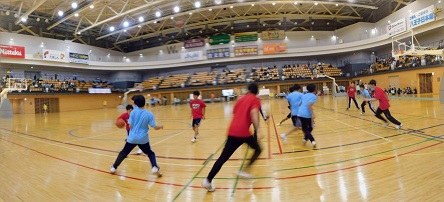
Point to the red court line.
(277, 136)
(351, 167)
(129, 177)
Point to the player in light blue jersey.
(366, 94)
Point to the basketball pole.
(277, 137)
(269, 139)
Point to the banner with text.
(194, 43)
(245, 37)
(218, 53)
(78, 58)
(397, 27)
(54, 55)
(422, 17)
(219, 39)
(12, 51)
(245, 50)
(273, 35)
(191, 56)
(274, 48)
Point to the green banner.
(219, 39)
(245, 37)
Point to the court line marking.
(198, 172)
(240, 169)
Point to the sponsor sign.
(218, 53)
(194, 43)
(99, 90)
(397, 27)
(274, 48)
(54, 55)
(172, 49)
(273, 35)
(12, 51)
(78, 58)
(245, 37)
(191, 56)
(245, 50)
(219, 39)
(422, 17)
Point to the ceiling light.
(279, 23)
(316, 3)
(139, 26)
(60, 13)
(172, 18)
(232, 27)
(197, 4)
(410, 11)
(38, 19)
(248, 25)
(336, 4)
(210, 9)
(295, 3)
(312, 23)
(46, 20)
(125, 24)
(155, 22)
(157, 14)
(328, 23)
(92, 6)
(23, 19)
(388, 21)
(11, 39)
(176, 9)
(141, 54)
(77, 15)
(231, 6)
(141, 19)
(79, 32)
(74, 5)
(273, 3)
(7, 13)
(312, 36)
(190, 13)
(218, 1)
(111, 28)
(252, 4)
(124, 30)
(264, 24)
(295, 23)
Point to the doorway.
(51, 103)
(425, 83)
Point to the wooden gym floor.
(66, 157)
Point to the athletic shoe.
(284, 137)
(304, 142)
(347, 108)
(208, 185)
(139, 152)
(194, 139)
(244, 174)
(112, 169)
(314, 145)
(399, 126)
(362, 113)
(279, 124)
(156, 171)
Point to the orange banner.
(274, 48)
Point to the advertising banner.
(54, 55)
(273, 35)
(245, 50)
(245, 37)
(194, 43)
(12, 51)
(274, 48)
(191, 56)
(422, 17)
(219, 39)
(397, 27)
(218, 53)
(78, 58)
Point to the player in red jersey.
(351, 94)
(197, 113)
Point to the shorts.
(289, 115)
(296, 121)
(195, 122)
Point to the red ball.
(120, 123)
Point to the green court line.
(324, 164)
(240, 169)
(230, 178)
(198, 172)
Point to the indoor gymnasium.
(221, 100)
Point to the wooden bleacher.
(174, 81)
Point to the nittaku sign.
(78, 58)
(218, 53)
(194, 43)
(219, 39)
(12, 51)
(245, 37)
(396, 27)
(422, 17)
(245, 50)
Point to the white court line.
(110, 156)
(360, 129)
